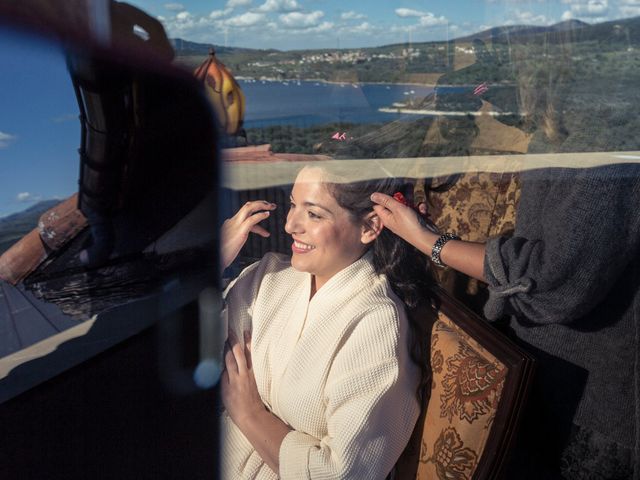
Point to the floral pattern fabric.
(478, 206)
(466, 390)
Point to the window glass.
(511, 123)
(40, 130)
(98, 221)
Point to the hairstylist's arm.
(242, 401)
(466, 257)
(235, 230)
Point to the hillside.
(15, 226)
(423, 62)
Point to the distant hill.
(185, 47)
(523, 30)
(625, 31)
(585, 32)
(17, 225)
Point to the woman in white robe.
(320, 382)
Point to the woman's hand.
(403, 221)
(240, 394)
(242, 401)
(466, 257)
(235, 230)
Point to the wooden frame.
(520, 365)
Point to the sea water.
(307, 103)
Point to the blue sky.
(297, 24)
(39, 126)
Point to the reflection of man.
(474, 102)
(127, 27)
(131, 28)
(476, 117)
(581, 422)
(106, 97)
(474, 106)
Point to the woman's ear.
(371, 227)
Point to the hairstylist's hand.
(235, 230)
(400, 219)
(239, 390)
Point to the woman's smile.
(325, 238)
(300, 247)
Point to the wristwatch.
(437, 247)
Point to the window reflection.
(513, 137)
(39, 130)
(107, 212)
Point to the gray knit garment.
(569, 279)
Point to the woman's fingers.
(251, 208)
(235, 231)
(385, 200)
(237, 349)
(389, 219)
(260, 231)
(230, 362)
(253, 220)
(400, 219)
(255, 213)
(247, 347)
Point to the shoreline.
(477, 113)
(332, 82)
(345, 83)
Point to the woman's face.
(325, 240)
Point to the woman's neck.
(314, 286)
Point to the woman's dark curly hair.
(408, 270)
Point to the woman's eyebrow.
(311, 204)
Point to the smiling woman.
(326, 240)
(326, 381)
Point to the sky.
(39, 126)
(302, 24)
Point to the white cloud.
(630, 8)
(279, 6)
(425, 19)
(26, 197)
(407, 12)
(248, 19)
(529, 18)
(364, 27)
(430, 20)
(352, 16)
(220, 13)
(588, 8)
(238, 3)
(6, 139)
(189, 26)
(323, 27)
(301, 20)
(567, 15)
(174, 7)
